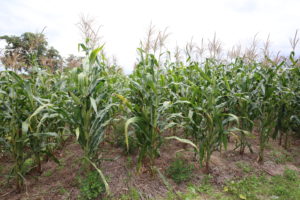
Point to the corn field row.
(203, 104)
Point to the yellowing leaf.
(183, 141)
(225, 189)
(242, 197)
(94, 104)
(77, 132)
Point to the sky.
(124, 23)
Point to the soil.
(61, 181)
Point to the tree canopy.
(29, 49)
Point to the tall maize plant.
(294, 77)
(267, 77)
(144, 102)
(91, 107)
(287, 100)
(241, 85)
(27, 117)
(207, 117)
(147, 107)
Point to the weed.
(247, 188)
(286, 186)
(28, 164)
(62, 190)
(133, 194)
(291, 175)
(279, 187)
(91, 186)
(280, 157)
(180, 171)
(48, 173)
(205, 186)
(244, 166)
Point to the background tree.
(73, 61)
(22, 52)
(52, 59)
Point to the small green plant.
(62, 190)
(280, 157)
(133, 194)
(91, 186)
(286, 186)
(48, 173)
(291, 175)
(28, 165)
(191, 193)
(279, 187)
(206, 189)
(247, 188)
(244, 166)
(205, 186)
(180, 171)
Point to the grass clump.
(286, 186)
(280, 187)
(180, 170)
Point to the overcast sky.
(124, 22)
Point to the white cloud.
(125, 22)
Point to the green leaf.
(75, 98)
(205, 76)
(101, 175)
(93, 55)
(38, 110)
(231, 118)
(51, 155)
(82, 46)
(226, 83)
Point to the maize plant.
(241, 85)
(207, 119)
(90, 104)
(91, 108)
(211, 100)
(147, 107)
(25, 119)
(265, 93)
(286, 98)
